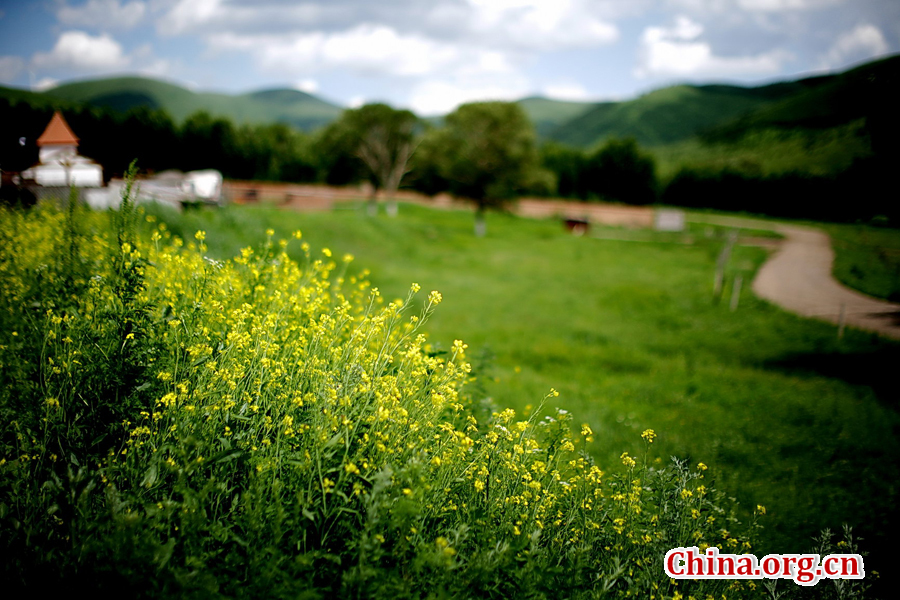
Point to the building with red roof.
(57, 133)
(59, 162)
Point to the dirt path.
(798, 278)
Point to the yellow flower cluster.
(300, 377)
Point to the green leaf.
(227, 455)
(150, 476)
(164, 552)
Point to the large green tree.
(568, 164)
(209, 142)
(383, 139)
(620, 171)
(489, 155)
(275, 152)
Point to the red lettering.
(745, 565)
(845, 560)
(787, 561)
(674, 560)
(725, 566)
(771, 565)
(806, 572)
(694, 563)
(804, 569)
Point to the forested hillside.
(287, 106)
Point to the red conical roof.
(57, 133)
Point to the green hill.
(726, 113)
(667, 115)
(547, 115)
(36, 99)
(865, 92)
(294, 107)
(829, 124)
(291, 107)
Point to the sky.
(432, 55)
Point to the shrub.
(178, 426)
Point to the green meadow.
(867, 258)
(786, 415)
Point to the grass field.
(785, 415)
(867, 259)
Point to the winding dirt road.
(798, 278)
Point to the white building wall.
(78, 174)
(49, 155)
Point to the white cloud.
(380, 49)
(441, 95)
(102, 14)
(365, 50)
(45, 84)
(446, 74)
(10, 67)
(699, 6)
(678, 51)
(400, 38)
(188, 15)
(862, 42)
(356, 102)
(684, 30)
(310, 86)
(541, 24)
(446, 51)
(566, 91)
(80, 51)
(533, 24)
(261, 16)
(157, 68)
(752, 6)
(785, 5)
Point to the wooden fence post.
(722, 261)
(736, 293)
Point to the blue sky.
(431, 55)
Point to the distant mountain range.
(662, 117)
(291, 107)
(723, 112)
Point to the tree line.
(486, 152)
(362, 145)
(273, 152)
